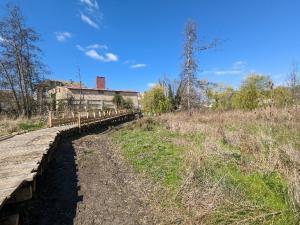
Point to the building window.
(100, 92)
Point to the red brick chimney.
(100, 82)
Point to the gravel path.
(88, 184)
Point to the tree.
(254, 91)
(282, 97)
(171, 98)
(188, 85)
(118, 100)
(155, 101)
(128, 104)
(246, 98)
(122, 103)
(221, 99)
(20, 66)
(190, 95)
(293, 83)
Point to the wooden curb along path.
(26, 156)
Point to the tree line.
(190, 93)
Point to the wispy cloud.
(88, 20)
(62, 36)
(110, 57)
(237, 68)
(80, 48)
(151, 85)
(1, 39)
(90, 3)
(136, 66)
(97, 46)
(133, 64)
(92, 53)
(90, 13)
(227, 72)
(239, 65)
(129, 61)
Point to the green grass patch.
(260, 198)
(29, 125)
(151, 151)
(249, 196)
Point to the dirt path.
(87, 184)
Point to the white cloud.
(94, 55)
(88, 20)
(93, 46)
(237, 68)
(91, 51)
(90, 3)
(1, 39)
(227, 72)
(151, 85)
(80, 48)
(136, 66)
(62, 36)
(97, 46)
(239, 65)
(110, 57)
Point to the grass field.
(219, 168)
(9, 126)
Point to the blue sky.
(133, 43)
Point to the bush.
(122, 103)
(154, 101)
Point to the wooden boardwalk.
(25, 156)
(20, 158)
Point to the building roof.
(96, 89)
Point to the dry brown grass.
(264, 141)
(10, 126)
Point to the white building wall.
(94, 99)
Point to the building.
(42, 96)
(99, 98)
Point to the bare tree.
(293, 82)
(81, 96)
(189, 85)
(20, 66)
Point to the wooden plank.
(22, 155)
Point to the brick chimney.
(100, 82)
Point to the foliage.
(118, 100)
(171, 98)
(246, 98)
(252, 92)
(128, 104)
(255, 91)
(282, 97)
(222, 99)
(20, 66)
(122, 103)
(154, 100)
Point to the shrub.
(154, 101)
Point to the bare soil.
(88, 183)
